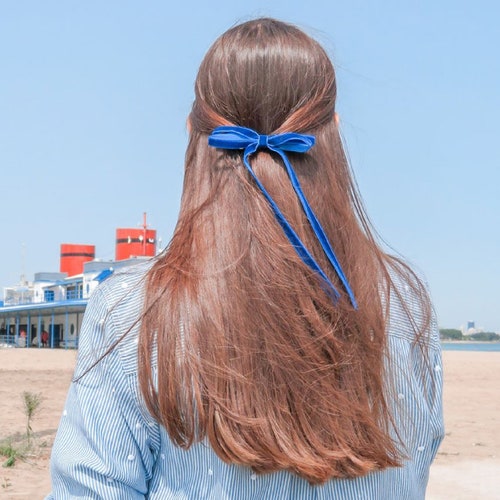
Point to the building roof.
(77, 305)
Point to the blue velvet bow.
(232, 137)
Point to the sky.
(94, 97)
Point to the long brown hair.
(250, 352)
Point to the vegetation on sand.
(19, 449)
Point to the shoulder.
(410, 305)
(112, 317)
(124, 284)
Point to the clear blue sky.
(94, 97)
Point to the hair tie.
(233, 137)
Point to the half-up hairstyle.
(252, 354)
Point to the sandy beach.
(467, 466)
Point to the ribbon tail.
(317, 228)
(292, 236)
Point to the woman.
(273, 350)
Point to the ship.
(47, 312)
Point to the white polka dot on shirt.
(131, 457)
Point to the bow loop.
(295, 143)
(227, 137)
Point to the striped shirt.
(109, 447)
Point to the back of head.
(252, 353)
(265, 75)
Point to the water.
(471, 346)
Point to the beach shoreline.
(472, 342)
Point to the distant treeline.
(453, 334)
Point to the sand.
(467, 465)
(46, 372)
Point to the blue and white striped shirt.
(109, 447)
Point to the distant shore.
(469, 341)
